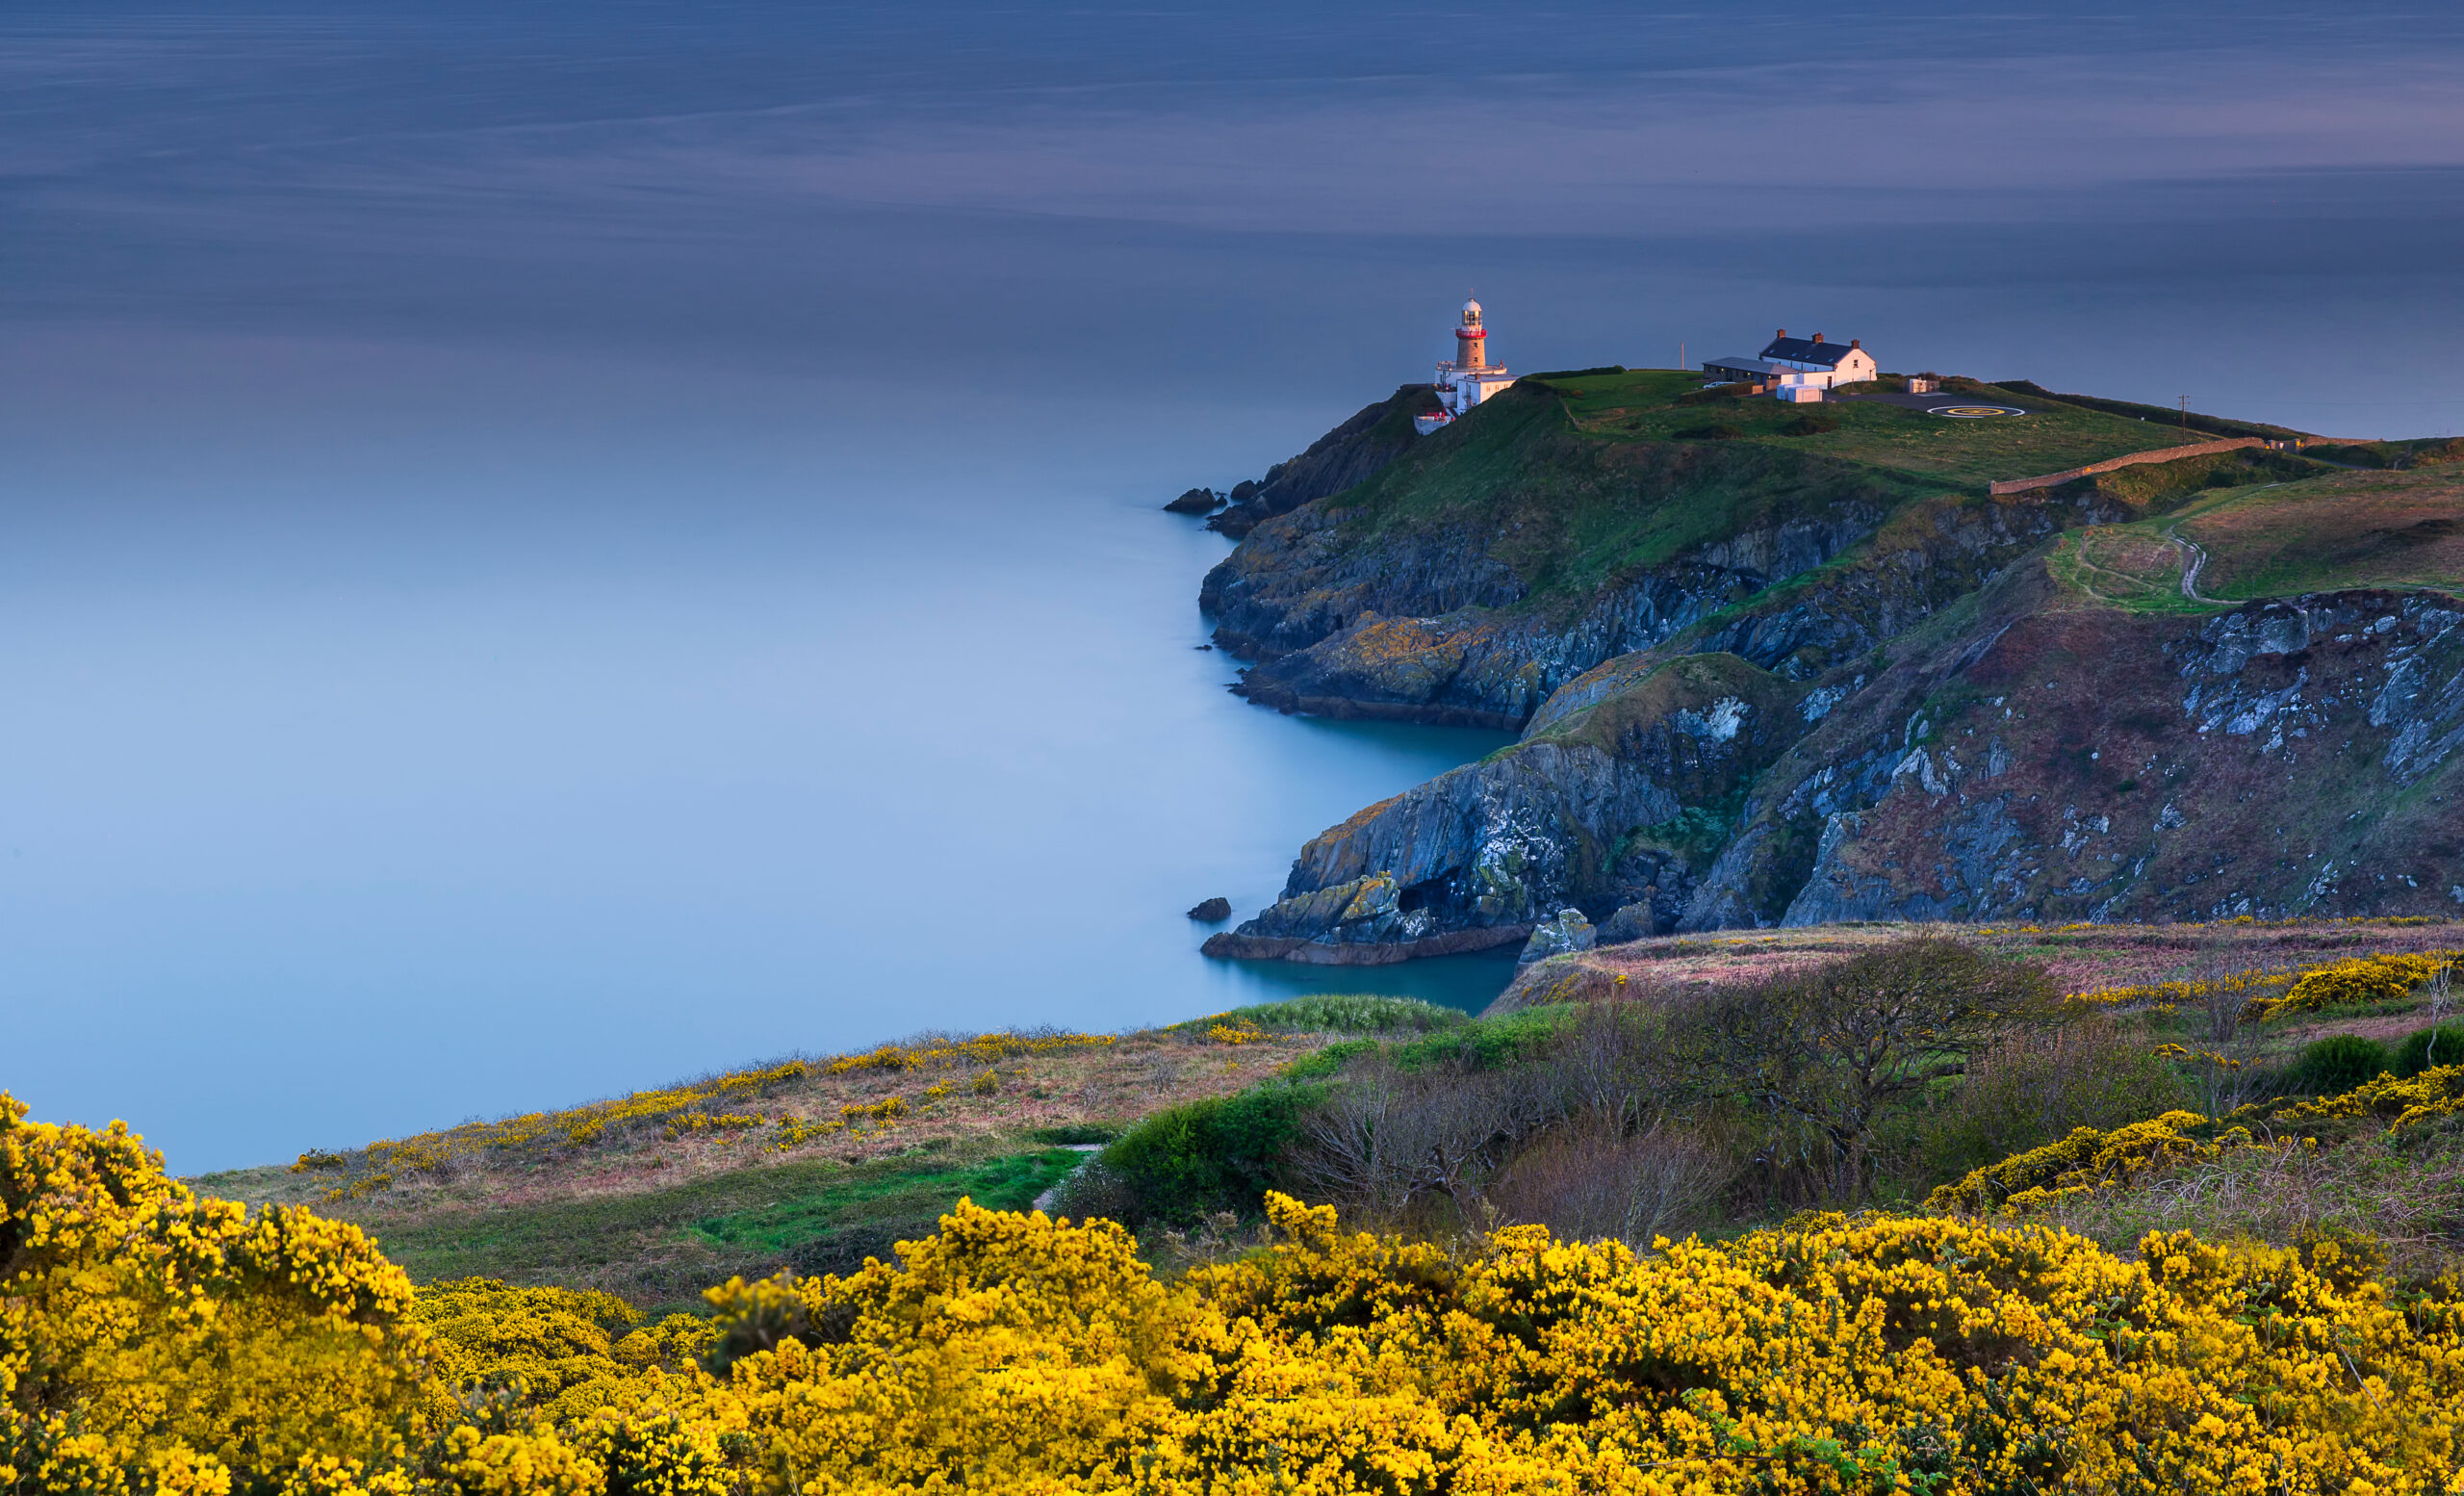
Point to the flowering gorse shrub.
(1018, 1353)
(2088, 1159)
(2360, 981)
(150, 1338)
(2347, 982)
(154, 1342)
(982, 1050)
(2186, 992)
(2399, 1101)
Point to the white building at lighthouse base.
(1469, 379)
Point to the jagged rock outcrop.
(1562, 935)
(1351, 454)
(1592, 815)
(1197, 500)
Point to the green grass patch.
(1006, 1183)
(1487, 1044)
(659, 1249)
(1577, 481)
(1336, 1013)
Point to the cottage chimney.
(1818, 337)
(1856, 343)
(1781, 333)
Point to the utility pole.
(2186, 415)
(1681, 355)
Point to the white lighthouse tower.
(1470, 377)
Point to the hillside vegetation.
(1970, 1210)
(808, 1164)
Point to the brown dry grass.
(2351, 529)
(1107, 1086)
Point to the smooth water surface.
(551, 547)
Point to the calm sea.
(551, 547)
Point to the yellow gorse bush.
(2347, 982)
(1014, 1353)
(2089, 1158)
(150, 1338)
(151, 1342)
(2397, 1101)
(982, 1050)
(2187, 991)
(2361, 980)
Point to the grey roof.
(1737, 361)
(1806, 350)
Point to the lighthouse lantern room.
(1470, 378)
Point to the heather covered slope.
(1871, 694)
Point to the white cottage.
(1798, 369)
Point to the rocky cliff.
(1349, 455)
(1782, 685)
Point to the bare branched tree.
(1386, 1140)
(1817, 1055)
(1593, 1181)
(1606, 1062)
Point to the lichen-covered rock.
(1562, 934)
(2053, 762)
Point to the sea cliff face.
(1792, 691)
(2285, 757)
(1349, 455)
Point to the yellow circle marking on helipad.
(1972, 411)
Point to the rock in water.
(1197, 500)
(1568, 932)
(1213, 910)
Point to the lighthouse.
(1470, 377)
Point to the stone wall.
(2022, 485)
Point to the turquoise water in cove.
(545, 549)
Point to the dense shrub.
(1713, 431)
(1504, 1043)
(2339, 1062)
(1595, 1182)
(1221, 1153)
(1069, 1133)
(1811, 423)
(1829, 1357)
(1339, 1013)
(2034, 1086)
(2428, 1049)
(1814, 1061)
